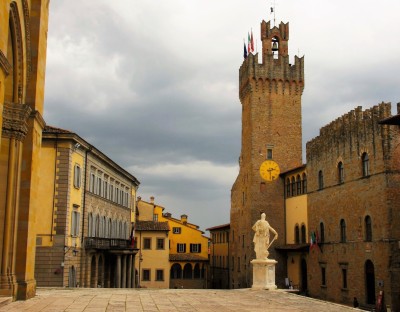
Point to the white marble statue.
(261, 237)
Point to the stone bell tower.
(270, 94)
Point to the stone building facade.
(87, 204)
(23, 43)
(353, 202)
(270, 93)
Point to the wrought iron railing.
(107, 243)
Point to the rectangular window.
(344, 278)
(77, 176)
(116, 197)
(269, 153)
(155, 217)
(146, 275)
(181, 247)
(176, 230)
(160, 275)
(92, 182)
(75, 223)
(160, 243)
(99, 186)
(323, 276)
(105, 188)
(111, 192)
(146, 243)
(195, 248)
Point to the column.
(129, 273)
(118, 272)
(123, 283)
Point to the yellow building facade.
(84, 228)
(188, 247)
(219, 256)
(23, 44)
(297, 232)
(151, 239)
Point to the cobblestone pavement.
(168, 300)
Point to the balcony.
(108, 243)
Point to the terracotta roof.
(186, 257)
(219, 227)
(50, 129)
(151, 226)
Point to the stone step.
(5, 300)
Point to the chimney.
(151, 199)
(184, 218)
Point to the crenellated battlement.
(353, 130)
(275, 68)
(272, 73)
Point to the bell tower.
(270, 94)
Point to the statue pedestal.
(264, 274)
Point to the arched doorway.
(100, 278)
(72, 277)
(303, 285)
(196, 271)
(187, 271)
(93, 272)
(370, 282)
(176, 271)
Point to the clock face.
(269, 170)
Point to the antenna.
(273, 10)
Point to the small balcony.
(108, 243)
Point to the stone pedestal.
(264, 274)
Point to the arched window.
(340, 172)
(125, 231)
(320, 180)
(104, 234)
(109, 228)
(90, 225)
(287, 187)
(120, 232)
(293, 186)
(298, 184)
(304, 183)
(368, 229)
(275, 47)
(297, 234)
(303, 234)
(365, 164)
(322, 232)
(96, 226)
(342, 231)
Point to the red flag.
(248, 43)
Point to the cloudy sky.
(154, 84)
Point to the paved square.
(169, 300)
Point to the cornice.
(4, 64)
(15, 120)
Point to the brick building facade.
(270, 94)
(353, 202)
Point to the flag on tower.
(252, 41)
(248, 42)
(244, 50)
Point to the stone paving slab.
(169, 300)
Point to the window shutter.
(191, 247)
(184, 247)
(199, 247)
